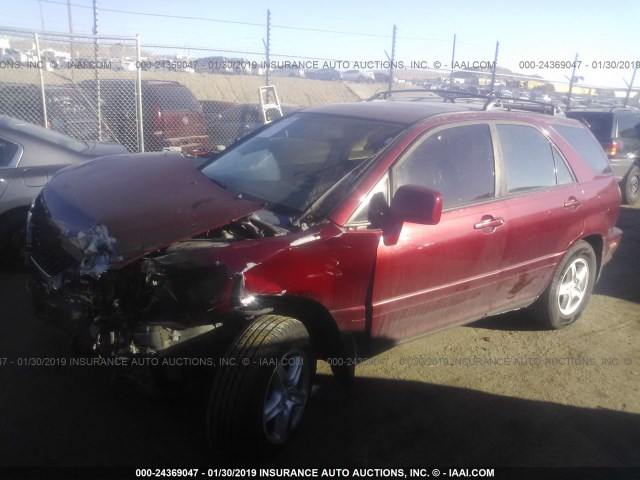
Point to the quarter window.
(563, 174)
(587, 146)
(7, 152)
(527, 157)
(457, 162)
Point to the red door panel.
(438, 275)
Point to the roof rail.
(492, 100)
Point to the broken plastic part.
(97, 247)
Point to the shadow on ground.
(80, 417)
(619, 278)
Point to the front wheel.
(567, 295)
(631, 190)
(259, 395)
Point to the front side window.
(458, 162)
(528, 158)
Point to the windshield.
(291, 164)
(176, 99)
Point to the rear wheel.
(258, 397)
(631, 190)
(567, 295)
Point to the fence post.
(96, 51)
(42, 94)
(139, 115)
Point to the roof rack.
(492, 100)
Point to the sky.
(536, 32)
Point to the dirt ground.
(233, 88)
(495, 393)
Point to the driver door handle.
(488, 221)
(572, 202)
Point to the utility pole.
(393, 56)
(495, 64)
(267, 45)
(453, 59)
(630, 86)
(41, 16)
(571, 80)
(70, 36)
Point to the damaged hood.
(115, 209)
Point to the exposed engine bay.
(158, 301)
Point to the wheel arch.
(597, 243)
(22, 209)
(11, 215)
(326, 338)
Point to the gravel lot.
(495, 393)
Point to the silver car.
(29, 156)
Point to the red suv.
(322, 236)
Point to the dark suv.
(327, 235)
(172, 117)
(68, 109)
(618, 131)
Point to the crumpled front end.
(153, 305)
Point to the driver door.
(432, 276)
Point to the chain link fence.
(145, 97)
(65, 82)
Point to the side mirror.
(416, 204)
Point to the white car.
(287, 72)
(359, 76)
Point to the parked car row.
(618, 131)
(172, 117)
(330, 234)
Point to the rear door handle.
(488, 221)
(573, 202)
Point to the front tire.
(258, 398)
(568, 294)
(631, 190)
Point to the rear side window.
(586, 146)
(528, 158)
(176, 99)
(457, 162)
(629, 125)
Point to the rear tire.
(257, 401)
(568, 294)
(631, 190)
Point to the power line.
(217, 20)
